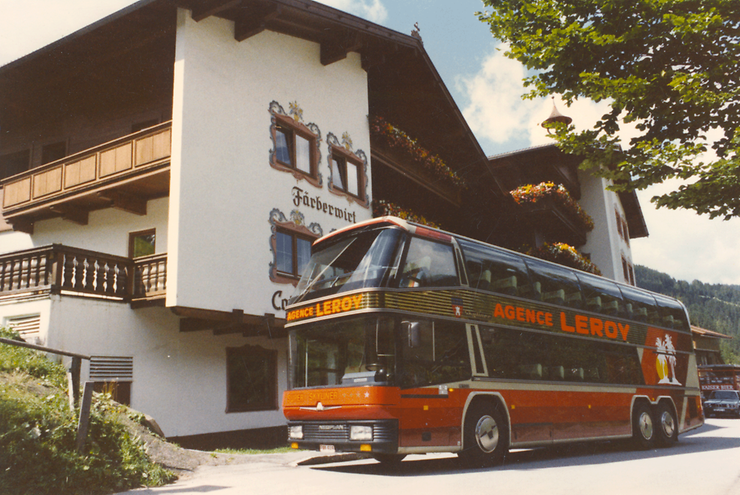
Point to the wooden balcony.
(124, 173)
(555, 222)
(58, 269)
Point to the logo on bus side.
(581, 324)
(326, 308)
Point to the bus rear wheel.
(486, 439)
(643, 427)
(667, 426)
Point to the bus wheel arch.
(666, 423)
(486, 431)
(643, 425)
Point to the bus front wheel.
(667, 426)
(643, 427)
(486, 439)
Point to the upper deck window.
(600, 295)
(495, 270)
(555, 284)
(348, 263)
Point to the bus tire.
(486, 435)
(666, 424)
(643, 427)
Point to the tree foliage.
(671, 67)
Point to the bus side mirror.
(413, 333)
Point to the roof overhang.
(404, 86)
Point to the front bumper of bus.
(371, 436)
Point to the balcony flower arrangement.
(531, 194)
(564, 254)
(382, 208)
(399, 140)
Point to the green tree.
(671, 67)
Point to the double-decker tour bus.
(406, 339)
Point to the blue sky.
(487, 88)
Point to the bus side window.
(429, 264)
(638, 305)
(434, 352)
(495, 270)
(601, 295)
(556, 284)
(671, 313)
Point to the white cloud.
(372, 10)
(495, 110)
(681, 243)
(686, 245)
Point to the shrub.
(38, 434)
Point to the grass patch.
(38, 433)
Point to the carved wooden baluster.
(69, 271)
(154, 277)
(2, 275)
(33, 267)
(16, 283)
(43, 269)
(122, 280)
(163, 264)
(86, 279)
(145, 279)
(110, 277)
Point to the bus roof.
(439, 234)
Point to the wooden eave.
(404, 86)
(633, 212)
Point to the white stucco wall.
(223, 187)
(179, 378)
(604, 244)
(107, 230)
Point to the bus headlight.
(295, 432)
(361, 433)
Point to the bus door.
(434, 362)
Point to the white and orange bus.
(406, 339)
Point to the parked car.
(722, 403)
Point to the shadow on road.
(577, 454)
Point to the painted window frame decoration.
(255, 356)
(293, 123)
(345, 155)
(295, 226)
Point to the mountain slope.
(711, 306)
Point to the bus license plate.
(328, 449)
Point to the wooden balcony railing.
(60, 269)
(123, 173)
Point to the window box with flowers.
(549, 208)
(563, 254)
(401, 151)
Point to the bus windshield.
(354, 352)
(351, 262)
(405, 352)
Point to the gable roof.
(404, 86)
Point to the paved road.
(704, 462)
